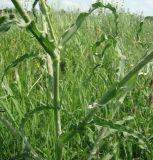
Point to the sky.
(135, 6)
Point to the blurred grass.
(80, 85)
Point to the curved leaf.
(18, 61)
(29, 114)
(141, 26)
(119, 127)
(6, 22)
(99, 42)
(105, 133)
(74, 27)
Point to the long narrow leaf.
(141, 26)
(119, 128)
(105, 133)
(81, 18)
(18, 61)
(29, 114)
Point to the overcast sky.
(136, 6)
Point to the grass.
(81, 83)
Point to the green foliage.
(140, 29)
(29, 114)
(141, 26)
(6, 22)
(81, 18)
(17, 62)
(119, 127)
(113, 128)
(112, 133)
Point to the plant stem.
(48, 57)
(55, 68)
(57, 119)
(50, 49)
(46, 12)
(21, 11)
(44, 41)
(110, 94)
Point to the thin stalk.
(57, 119)
(109, 95)
(46, 12)
(56, 98)
(44, 23)
(48, 57)
(50, 75)
(21, 11)
(55, 68)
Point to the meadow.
(88, 67)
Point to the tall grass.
(85, 77)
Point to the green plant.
(53, 46)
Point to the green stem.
(50, 49)
(45, 11)
(21, 11)
(56, 95)
(49, 60)
(57, 119)
(43, 40)
(110, 94)
(56, 98)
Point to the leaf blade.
(81, 18)
(6, 22)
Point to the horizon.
(138, 6)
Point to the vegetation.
(105, 95)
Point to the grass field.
(86, 74)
